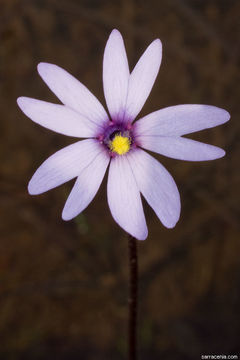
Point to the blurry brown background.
(63, 286)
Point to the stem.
(132, 302)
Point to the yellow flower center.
(120, 144)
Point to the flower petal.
(181, 119)
(142, 79)
(58, 118)
(115, 75)
(86, 186)
(157, 186)
(124, 198)
(64, 165)
(180, 148)
(72, 92)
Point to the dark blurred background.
(63, 285)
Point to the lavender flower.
(117, 140)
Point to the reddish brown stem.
(133, 298)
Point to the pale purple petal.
(115, 75)
(142, 79)
(64, 165)
(124, 198)
(157, 186)
(181, 119)
(72, 92)
(58, 118)
(180, 148)
(86, 186)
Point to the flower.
(118, 140)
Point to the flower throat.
(120, 144)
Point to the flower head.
(118, 140)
